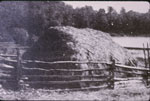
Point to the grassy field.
(131, 41)
(126, 93)
(132, 90)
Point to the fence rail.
(66, 70)
(68, 82)
(66, 76)
(8, 55)
(129, 78)
(65, 62)
(137, 48)
(96, 76)
(131, 67)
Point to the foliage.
(37, 16)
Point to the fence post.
(148, 55)
(111, 73)
(146, 65)
(144, 51)
(18, 69)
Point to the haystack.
(72, 44)
(69, 43)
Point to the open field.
(131, 41)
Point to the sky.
(138, 6)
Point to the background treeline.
(28, 20)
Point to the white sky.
(139, 6)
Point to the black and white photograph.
(75, 50)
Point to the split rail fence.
(22, 73)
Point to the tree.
(84, 17)
(123, 20)
(112, 17)
(12, 14)
(101, 22)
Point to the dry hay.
(68, 43)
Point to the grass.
(134, 92)
(131, 41)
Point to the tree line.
(35, 17)
(123, 23)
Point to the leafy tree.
(84, 17)
(101, 21)
(112, 17)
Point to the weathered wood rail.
(137, 48)
(74, 79)
(55, 80)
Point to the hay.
(68, 43)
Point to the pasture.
(131, 41)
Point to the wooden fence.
(146, 52)
(23, 73)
